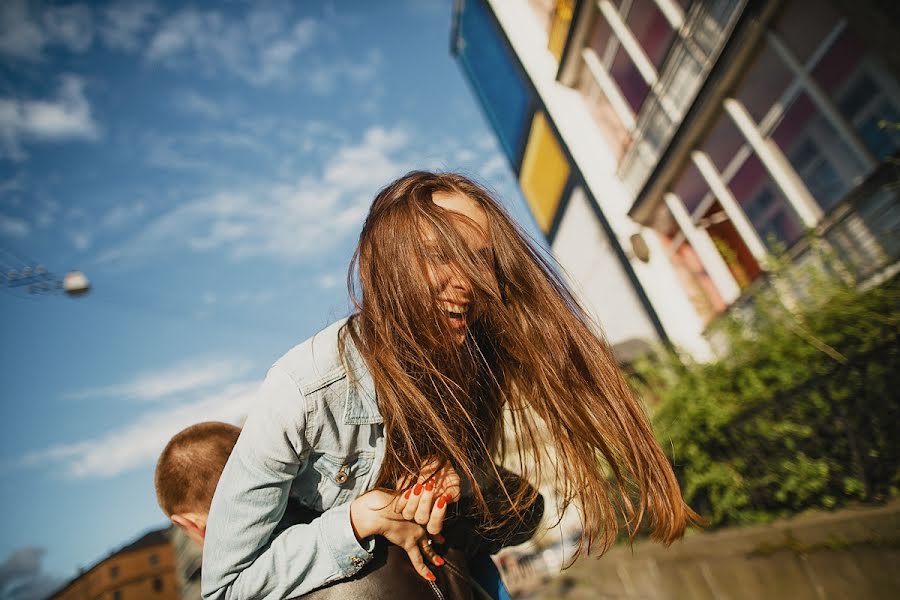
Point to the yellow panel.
(544, 172)
(559, 27)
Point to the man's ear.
(192, 524)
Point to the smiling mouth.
(456, 314)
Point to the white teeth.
(455, 308)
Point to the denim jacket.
(314, 433)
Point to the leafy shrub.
(802, 412)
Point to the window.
(114, 571)
(723, 144)
(864, 93)
(766, 208)
(764, 84)
(804, 25)
(629, 79)
(651, 29)
(545, 171)
(823, 161)
(154, 559)
(157, 584)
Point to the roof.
(151, 538)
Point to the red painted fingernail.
(442, 501)
(430, 576)
(418, 489)
(439, 561)
(406, 495)
(429, 485)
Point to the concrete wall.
(847, 555)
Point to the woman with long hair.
(463, 337)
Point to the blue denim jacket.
(315, 433)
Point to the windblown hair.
(190, 465)
(532, 368)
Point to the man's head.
(187, 473)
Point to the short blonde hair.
(190, 465)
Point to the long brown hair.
(533, 368)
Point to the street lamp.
(38, 280)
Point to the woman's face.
(453, 291)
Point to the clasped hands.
(411, 516)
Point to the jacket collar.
(361, 406)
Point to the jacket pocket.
(336, 479)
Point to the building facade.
(142, 570)
(667, 148)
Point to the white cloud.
(123, 23)
(140, 442)
(72, 26)
(194, 103)
(46, 213)
(259, 49)
(20, 36)
(82, 240)
(257, 298)
(288, 221)
(66, 117)
(22, 576)
(14, 227)
(12, 185)
(493, 166)
(187, 377)
(26, 29)
(328, 281)
(122, 214)
(464, 155)
(325, 78)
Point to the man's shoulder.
(317, 360)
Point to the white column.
(672, 11)
(610, 89)
(710, 258)
(781, 171)
(740, 221)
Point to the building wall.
(717, 132)
(596, 274)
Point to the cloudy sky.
(208, 166)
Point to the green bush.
(803, 411)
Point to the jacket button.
(357, 562)
(342, 476)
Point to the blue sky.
(208, 167)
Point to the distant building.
(142, 570)
(666, 146)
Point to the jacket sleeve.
(241, 561)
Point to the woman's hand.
(374, 513)
(425, 500)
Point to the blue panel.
(494, 74)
